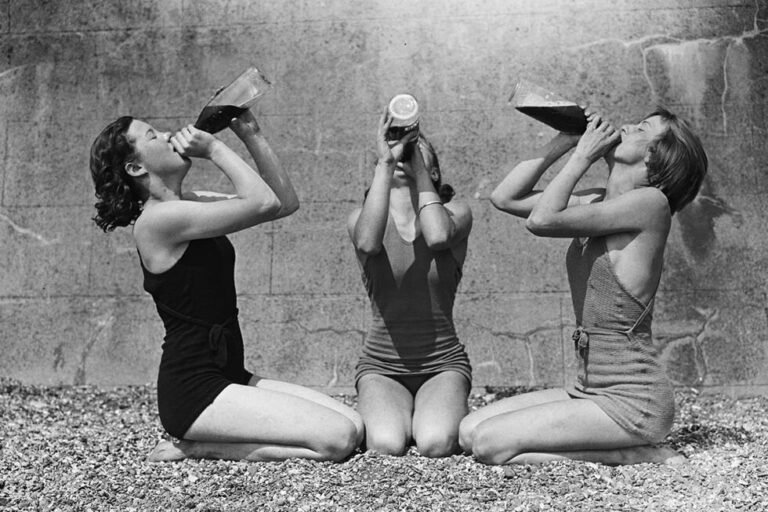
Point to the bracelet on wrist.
(436, 201)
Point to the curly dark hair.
(119, 198)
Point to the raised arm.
(178, 221)
(555, 215)
(366, 226)
(515, 194)
(443, 225)
(268, 166)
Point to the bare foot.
(168, 451)
(653, 454)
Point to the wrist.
(430, 203)
(581, 158)
(385, 163)
(215, 149)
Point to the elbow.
(507, 204)
(287, 208)
(272, 206)
(266, 208)
(437, 242)
(498, 200)
(537, 224)
(369, 248)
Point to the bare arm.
(515, 194)
(268, 166)
(254, 202)
(442, 226)
(366, 226)
(554, 214)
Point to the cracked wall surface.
(72, 307)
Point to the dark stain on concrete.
(58, 356)
(697, 221)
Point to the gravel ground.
(84, 448)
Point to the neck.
(164, 189)
(403, 197)
(625, 177)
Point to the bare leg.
(513, 403)
(440, 404)
(386, 407)
(249, 423)
(572, 428)
(168, 451)
(317, 397)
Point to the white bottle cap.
(404, 110)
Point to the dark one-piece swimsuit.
(203, 349)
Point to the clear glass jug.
(548, 107)
(232, 100)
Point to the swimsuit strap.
(643, 314)
(217, 339)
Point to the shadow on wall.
(697, 221)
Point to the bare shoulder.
(652, 200)
(651, 208)
(459, 207)
(158, 220)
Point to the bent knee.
(387, 443)
(486, 448)
(340, 444)
(437, 445)
(466, 435)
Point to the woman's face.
(635, 139)
(403, 168)
(153, 149)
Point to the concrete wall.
(72, 309)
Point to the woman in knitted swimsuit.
(206, 398)
(622, 402)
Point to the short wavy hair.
(677, 163)
(119, 199)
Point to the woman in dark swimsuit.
(206, 398)
(413, 376)
(622, 402)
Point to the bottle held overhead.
(232, 100)
(404, 110)
(549, 108)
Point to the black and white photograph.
(425, 255)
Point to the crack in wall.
(673, 44)
(103, 323)
(27, 232)
(333, 330)
(696, 339)
(525, 338)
